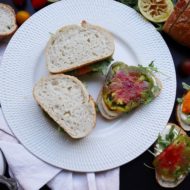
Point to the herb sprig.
(168, 139)
(185, 86)
(152, 68)
(102, 67)
(179, 100)
(188, 119)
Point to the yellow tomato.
(186, 103)
(22, 16)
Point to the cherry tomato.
(186, 103)
(185, 67)
(83, 70)
(22, 16)
(19, 3)
(38, 4)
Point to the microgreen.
(185, 86)
(149, 167)
(102, 66)
(51, 33)
(188, 119)
(169, 138)
(96, 107)
(152, 68)
(179, 100)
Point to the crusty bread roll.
(74, 46)
(178, 26)
(7, 21)
(67, 102)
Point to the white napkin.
(32, 173)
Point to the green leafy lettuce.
(99, 67)
(163, 142)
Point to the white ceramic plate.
(111, 144)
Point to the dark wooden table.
(134, 175)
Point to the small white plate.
(112, 143)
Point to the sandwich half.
(7, 21)
(74, 46)
(126, 88)
(172, 156)
(65, 99)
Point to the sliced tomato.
(127, 88)
(83, 70)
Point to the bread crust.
(84, 24)
(104, 110)
(9, 9)
(167, 184)
(90, 101)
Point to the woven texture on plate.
(125, 138)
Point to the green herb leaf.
(96, 107)
(150, 167)
(102, 66)
(51, 33)
(59, 129)
(178, 172)
(169, 138)
(162, 142)
(158, 26)
(85, 84)
(188, 119)
(148, 100)
(179, 100)
(152, 67)
(156, 89)
(99, 67)
(185, 86)
(131, 3)
(151, 64)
